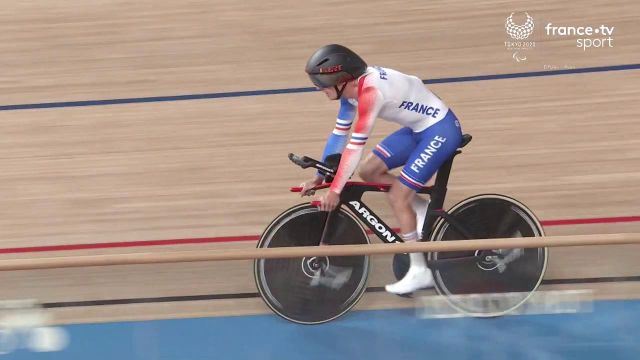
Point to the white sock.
(417, 259)
(409, 237)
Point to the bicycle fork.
(327, 223)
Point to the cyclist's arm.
(369, 103)
(338, 137)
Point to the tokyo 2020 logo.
(519, 32)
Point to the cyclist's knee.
(372, 168)
(367, 173)
(400, 196)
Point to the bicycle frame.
(351, 197)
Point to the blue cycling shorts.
(421, 153)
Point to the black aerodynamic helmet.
(334, 64)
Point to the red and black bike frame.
(351, 198)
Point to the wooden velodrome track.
(568, 145)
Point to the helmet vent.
(323, 61)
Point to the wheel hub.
(498, 259)
(312, 266)
(487, 262)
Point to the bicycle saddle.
(466, 138)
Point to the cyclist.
(430, 135)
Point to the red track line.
(123, 244)
(609, 220)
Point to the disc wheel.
(312, 290)
(499, 280)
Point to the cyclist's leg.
(437, 144)
(373, 169)
(419, 276)
(401, 198)
(391, 153)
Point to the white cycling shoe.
(416, 278)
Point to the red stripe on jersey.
(410, 179)
(383, 151)
(361, 83)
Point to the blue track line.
(233, 94)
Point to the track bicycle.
(313, 290)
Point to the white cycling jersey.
(390, 95)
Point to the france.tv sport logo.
(588, 36)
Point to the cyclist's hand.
(329, 201)
(307, 186)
